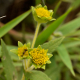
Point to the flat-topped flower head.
(22, 51)
(40, 57)
(42, 14)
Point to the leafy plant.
(54, 48)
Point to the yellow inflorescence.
(39, 57)
(42, 12)
(22, 51)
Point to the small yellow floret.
(41, 12)
(39, 57)
(22, 51)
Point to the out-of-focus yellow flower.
(42, 14)
(23, 51)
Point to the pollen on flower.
(39, 57)
(41, 12)
(22, 51)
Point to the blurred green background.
(67, 24)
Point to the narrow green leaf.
(72, 44)
(36, 75)
(76, 4)
(70, 26)
(65, 57)
(75, 33)
(7, 63)
(13, 23)
(56, 8)
(43, 36)
(52, 45)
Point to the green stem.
(35, 36)
(26, 66)
(23, 77)
(31, 68)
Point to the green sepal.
(28, 57)
(45, 7)
(49, 55)
(33, 9)
(20, 44)
(43, 66)
(38, 66)
(21, 58)
(51, 12)
(14, 51)
(39, 6)
(48, 61)
(52, 19)
(30, 49)
(39, 47)
(28, 45)
(35, 65)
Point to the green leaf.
(76, 3)
(16, 64)
(13, 56)
(20, 74)
(43, 36)
(36, 75)
(13, 23)
(72, 44)
(65, 57)
(70, 26)
(75, 33)
(56, 8)
(7, 63)
(52, 45)
(53, 73)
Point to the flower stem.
(35, 36)
(23, 77)
(31, 68)
(26, 66)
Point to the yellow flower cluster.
(42, 12)
(22, 51)
(39, 57)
